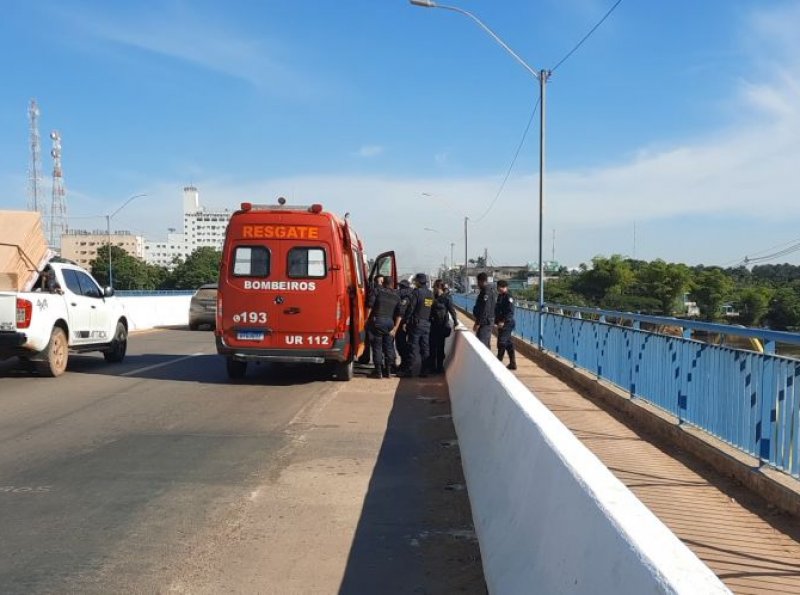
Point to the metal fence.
(749, 399)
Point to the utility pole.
(634, 240)
(554, 245)
(452, 260)
(466, 257)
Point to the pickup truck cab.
(66, 311)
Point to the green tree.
(663, 282)
(128, 271)
(784, 308)
(753, 305)
(711, 288)
(608, 276)
(202, 266)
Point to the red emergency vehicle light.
(247, 206)
(316, 208)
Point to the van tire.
(55, 355)
(236, 369)
(119, 345)
(343, 371)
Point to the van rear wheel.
(236, 369)
(343, 371)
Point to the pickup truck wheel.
(236, 369)
(119, 345)
(55, 355)
(343, 371)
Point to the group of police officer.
(495, 307)
(417, 321)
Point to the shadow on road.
(415, 532)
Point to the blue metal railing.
(748, 399)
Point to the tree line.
(132, 273)
(766, 295)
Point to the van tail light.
(218, 326)
(24, 313)
(340, 314)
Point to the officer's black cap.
(405, 283)
(421, 278)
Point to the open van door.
(385, 265)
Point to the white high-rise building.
(201, 228)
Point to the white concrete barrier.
(549, 516)
(146, 312)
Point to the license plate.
(250, 336)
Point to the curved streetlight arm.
(125, 204)
(431, 4)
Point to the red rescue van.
(292, 288)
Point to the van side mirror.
(108, 292)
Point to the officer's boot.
(512, 356)
(377, 372)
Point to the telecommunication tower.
(58, 208)
(36, 200)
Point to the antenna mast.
(36, 201)
(58, 222)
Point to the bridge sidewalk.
(752, 547)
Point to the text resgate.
(280, 232)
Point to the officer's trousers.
(485, 334)
(419, 346)
(438, 337)
(383, 355)
(505, 344)
(401, 339)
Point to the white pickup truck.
(66, 311)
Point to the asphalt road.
(156, 475)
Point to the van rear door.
(385, 265)
(304, 314)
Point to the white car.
(66, 311)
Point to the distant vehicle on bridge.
(292, 289)
(203, 306)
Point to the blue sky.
(681, 117)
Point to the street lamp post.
(108, 231)
(542, 76)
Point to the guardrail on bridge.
(749, 400)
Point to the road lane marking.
(25, 489)
(162, 364)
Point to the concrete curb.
(549, 516)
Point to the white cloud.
(201, 40)
(368, 151)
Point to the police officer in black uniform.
(483, 311)
(504, 319)
(372, 288)
(401, 338)
(442, 310)
(417, 320)
(383, 318)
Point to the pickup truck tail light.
(24, 313)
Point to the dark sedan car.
(203, 307)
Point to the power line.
(757, 255)
(511, 166)
(587, 36)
